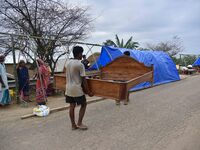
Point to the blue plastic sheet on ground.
(164, 68)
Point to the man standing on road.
(76, 84)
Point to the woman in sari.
(42, 82)
(23, 80)
(4, 89)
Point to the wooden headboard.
(124, 68)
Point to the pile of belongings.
(188, 70)
(41, 110)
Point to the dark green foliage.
(120, 43)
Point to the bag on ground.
(41, 110)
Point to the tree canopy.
(50, 19)
(172, 47)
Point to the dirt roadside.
(15, 111)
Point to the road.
(165, 117)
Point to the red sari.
(41, 87)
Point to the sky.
(148, 21)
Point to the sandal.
(117, 102)
(74, 127)
(125, 102)
(82, 127)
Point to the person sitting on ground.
(85, 62)
(4, 89)
(23, 80)
(75, 87)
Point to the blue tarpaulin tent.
(164, 68)
(196, 63)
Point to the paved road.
(165, 117)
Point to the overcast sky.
(148, 21)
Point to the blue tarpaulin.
(164, 68)
(196, 63)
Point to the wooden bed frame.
(115, 79)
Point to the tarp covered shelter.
(164, 68)
(196, 63)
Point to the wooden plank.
(105, 89)
(27, 116)
(124, 68)
(60, 79)
(144, 78)
(60, 82)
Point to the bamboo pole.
(37, 37)
(15, 71)
(62, 108)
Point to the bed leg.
(126, 101)
(117, 102)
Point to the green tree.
(172, 48)
(176, 60)
(120, 43)
(188, 60)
